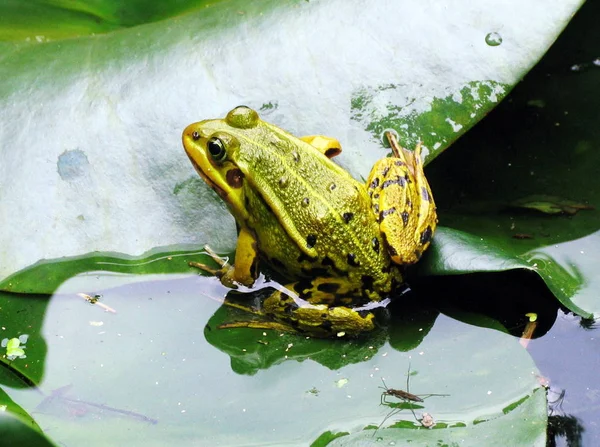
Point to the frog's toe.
(218, 259)
(204, 268)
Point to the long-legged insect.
(409, 399)
(400, 394)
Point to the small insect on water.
(400, 394)
(409, 401)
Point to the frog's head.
(213, 147)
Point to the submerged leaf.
(550, 204)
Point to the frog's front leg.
(245, 269)
(403, 203)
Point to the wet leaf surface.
(111, 175)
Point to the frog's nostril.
(195, 135)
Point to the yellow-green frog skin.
(344, 243)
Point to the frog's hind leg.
(264, 321)
(312, 316)
(272, 325)
(403, 203)
(283, 312)
(309, 308)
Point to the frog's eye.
(216, 149)
(242, 117)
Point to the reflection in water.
(58, 404)
(560, 424)
(404, 323)
(487, 299)
(567, 427)
(588, 323)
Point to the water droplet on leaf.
(493, 39)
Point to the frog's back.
(324, 223)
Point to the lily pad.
(9, 408)
(569, 275)
(93, 391)
(23, 349)
(13, 431)
(527, 414)
(93, 160)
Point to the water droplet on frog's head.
(283, 182)
(384, 138)
(493, 39)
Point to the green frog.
(342, 242)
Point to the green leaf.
(570, 276)
(13, 431)
(44, 20)
(523, 424)
(550, 204)
(9, 407)
(23, 347)
(47, 275)
(188, 382)
(94, 163)
(455, 252)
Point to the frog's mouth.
(226, 180)
(192, 139)
(220, 191)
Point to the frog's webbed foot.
(223, 262)
(245, 270)
(403, 203)
(225, 273)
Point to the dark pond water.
(569, 356)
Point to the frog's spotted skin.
(342, 242)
